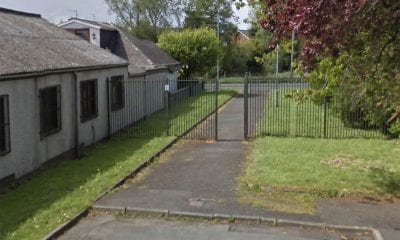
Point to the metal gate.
(282, 107)
(160, 108)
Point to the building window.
(83, 33)
(117, 93)
(4, 126)
(50, 110)
(89, 108)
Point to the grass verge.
(289, 174)
(55, 195)
(232, 79)
(285, 117)
(182, 115)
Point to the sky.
(61, 10)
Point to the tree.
(329, 27)
(236, 57)
(203, 13)
(362, 36)
(145, 18)
(196, 49)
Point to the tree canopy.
(358, 39)
(145, 18)
(196, 49)
(328, 27)
(203, 13)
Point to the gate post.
(108, 108)
(145, 98)
(216, 108)
(325, 117)
(167, 106)
(246, 106)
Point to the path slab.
(111, 227)
(383, 216)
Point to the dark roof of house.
(154, 53)
(145, 54)
(30, 44)
(142, 55)
(247, 33)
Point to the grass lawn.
(284, 117)
(241, 79)
(232, 79)
(55, 195)
(289, 174)
(180, 116)
(282, 75)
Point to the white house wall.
(144, 95)
(97, 128)
(28, 151)
(173, 81)
(95, 32)
(92, 30)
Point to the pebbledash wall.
(28, 151)
(144, 95)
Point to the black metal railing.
(282, 107)
(154, 109)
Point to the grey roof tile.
(31, 44)
(145, 53)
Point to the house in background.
(147, 60)
(53, 92)
(242, 36)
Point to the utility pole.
(277, 61)
(218, 40)
(292, 57)
(276, 77)
(217, 84)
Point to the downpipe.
(76, 101)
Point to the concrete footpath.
(198, 176)
(119, 228)
(201, 177)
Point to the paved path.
(201, 177)
(109, 227)
(198, 176)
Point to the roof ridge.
(95, 23)
(89, 20)
(16, 12)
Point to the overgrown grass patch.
(289, 174)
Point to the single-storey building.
(147, 60)
(150, 67)
(54, 95)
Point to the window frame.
(7, 135)
(84, 116)
(44, 133)
(120, 80)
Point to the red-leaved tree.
(328, 26)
